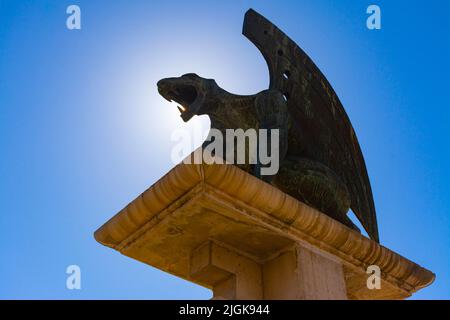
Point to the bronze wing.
(326, 130)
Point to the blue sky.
(83, 130)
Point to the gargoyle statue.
(321, 162)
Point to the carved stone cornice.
(189, 191)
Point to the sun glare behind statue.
(187, 135)
(179, 106)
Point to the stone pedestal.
(223, 229)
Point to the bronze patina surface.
(321, 163)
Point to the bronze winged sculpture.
(321, 162)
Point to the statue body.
(320, 160)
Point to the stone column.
(297, 273)
(304, 274)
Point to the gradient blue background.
(83, 130)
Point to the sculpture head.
(192, 92)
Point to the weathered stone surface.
(224, 229)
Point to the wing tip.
(250, 13)
(251, 19)
(249, 16)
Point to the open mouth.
(183, 95)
